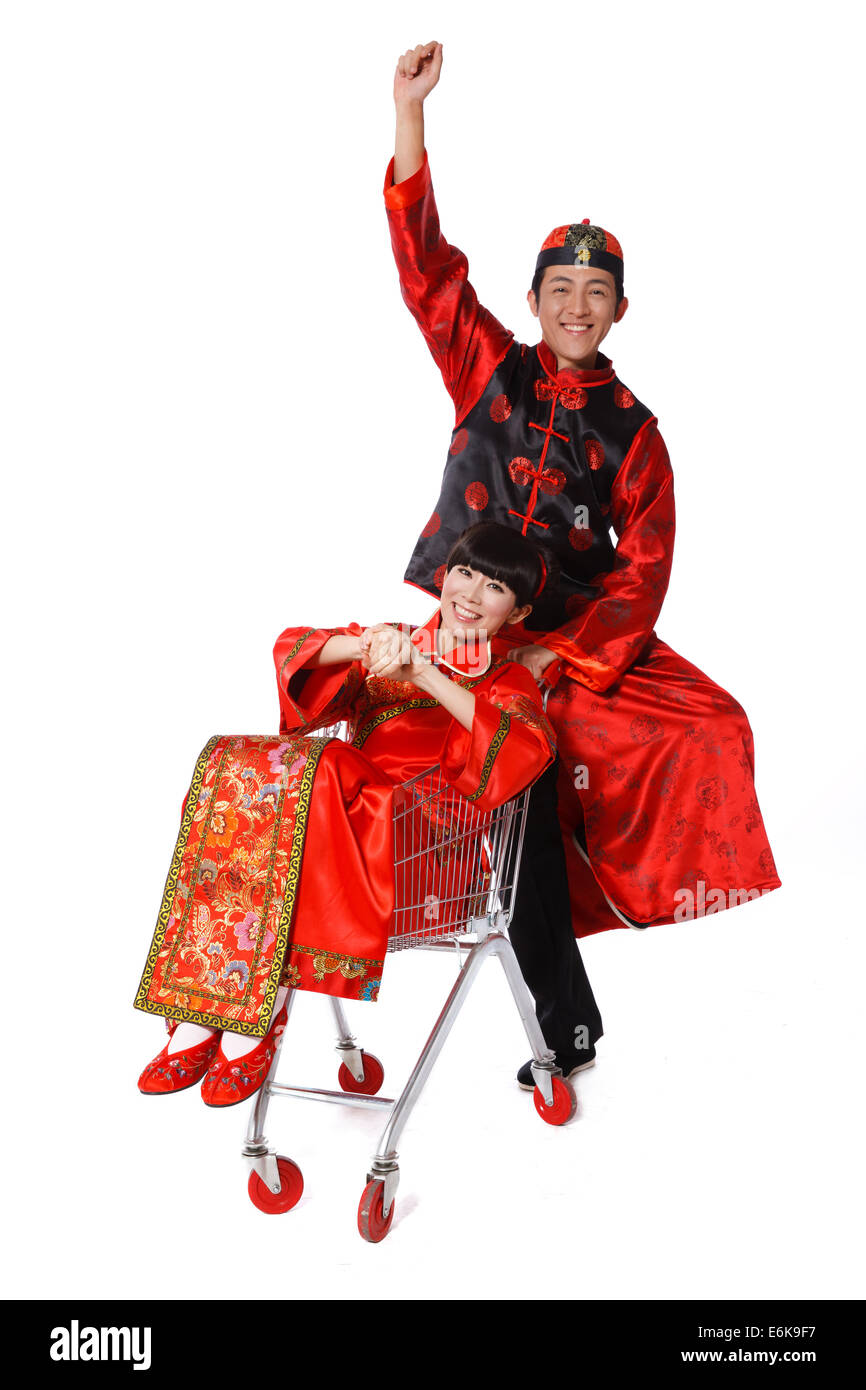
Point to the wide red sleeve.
(509, 745)
(466, 341)
(312, 697)
(609, 634)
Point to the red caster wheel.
(564, 1103)
(374, 1075)
(371, 1223)
(291, 1188)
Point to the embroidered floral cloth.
(237, 918)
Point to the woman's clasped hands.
(389, 651)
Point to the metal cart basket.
(456, 872)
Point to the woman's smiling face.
(472, 602)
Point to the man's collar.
(466, 660)
(570, 376)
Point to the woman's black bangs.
(503, 555)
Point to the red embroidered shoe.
(230, 1082)
(178, 1071)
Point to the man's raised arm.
(416, 75)
(466, 341)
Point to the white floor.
(713, 1156)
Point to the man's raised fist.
(417, 72)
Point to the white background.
(219, 420)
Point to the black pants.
(542, 935)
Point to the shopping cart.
(456, 872)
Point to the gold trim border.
(334, 955)
(293, 876)
(384, 715)
(141, 1001)
(495, 745)
(294, 652)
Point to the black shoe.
(581, 1062)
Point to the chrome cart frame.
(456, 872)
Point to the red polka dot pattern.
(594, 453)
(476, 496)
(521, 471)
(551, 482)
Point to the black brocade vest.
(541, 456)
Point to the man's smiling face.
(576, 308)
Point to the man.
(656, 792)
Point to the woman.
(241, 922)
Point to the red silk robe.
(283, 871)
(402, 732)
(657, 761)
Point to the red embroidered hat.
(580, 243)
